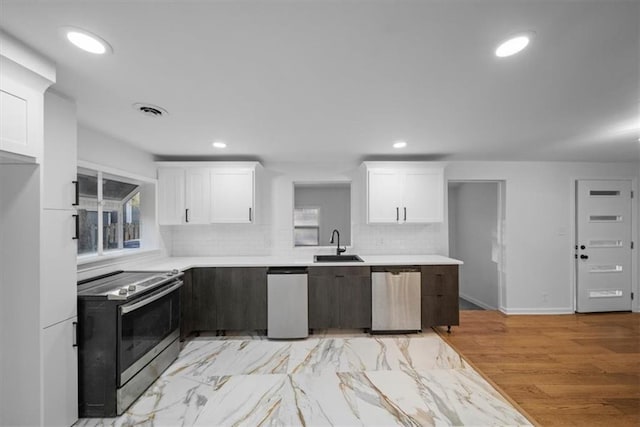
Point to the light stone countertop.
(185, 263)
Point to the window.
(109, 213)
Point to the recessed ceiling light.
(513, 45)
(399, 144)
(86, 40)
(219, 144)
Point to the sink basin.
(337, 258)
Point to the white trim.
(551, 310)
(476, 302)
(501, 226)
(116, 172)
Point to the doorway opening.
(476, 218)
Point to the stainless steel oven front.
(147, 327)
(128, 328)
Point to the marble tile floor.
(329, 379)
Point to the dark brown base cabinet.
(235, 298)
(186, 305)
(228, 298)
(241, 298)
(440, 296)
(339, 297)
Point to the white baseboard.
(546, 310)
(476, 302)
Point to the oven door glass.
(146, 327)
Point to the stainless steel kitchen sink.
(337, 258)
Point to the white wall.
(473, 237)
(539, 220)
(96, 147)
(20, 281)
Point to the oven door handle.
(128, 308)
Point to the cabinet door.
(355, 300)
(197, 197)
(241, 298)
(21, 115)
(171, 188)
(383, 196)
(58, 291)
(232, 195)
(203, 299)
(440, 296)
(324, 308)
(186, 305)
(60, 152)
(423, 196)
(60, 374)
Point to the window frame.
(147, 243)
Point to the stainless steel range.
(128, 334)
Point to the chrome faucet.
(339, 250)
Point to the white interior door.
(603, 255)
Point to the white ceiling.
(341, 80)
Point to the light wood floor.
(568, 370)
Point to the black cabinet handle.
(186, 215)
(397, 214)
(583, 256)
(77, 219)
(405, 213)
(77, 198)
(250, 214)
(583, 247)
(75, 335)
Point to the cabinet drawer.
(339, 271)
(440, 280)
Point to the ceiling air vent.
(150, 110)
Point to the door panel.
(232, 196)
(170, 196)
(423, 196)
(603, 211)
(384, 198)
(197, 196)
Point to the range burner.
(124, 285)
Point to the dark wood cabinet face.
(203, 299)
(355, 301)
(241, 298)
(323, 303)
(440, 296)
(186, 306)
(339, 297)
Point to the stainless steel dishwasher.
(395, 299)
(287, 303)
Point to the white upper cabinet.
(232, 195)
(206, 192)
(60, 152)
(24, 76)
(183, 196)
(404, 193)
(197, 196)
(171, 197)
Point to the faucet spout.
(339, 250)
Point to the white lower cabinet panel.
(60, 374)
(58, 288)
